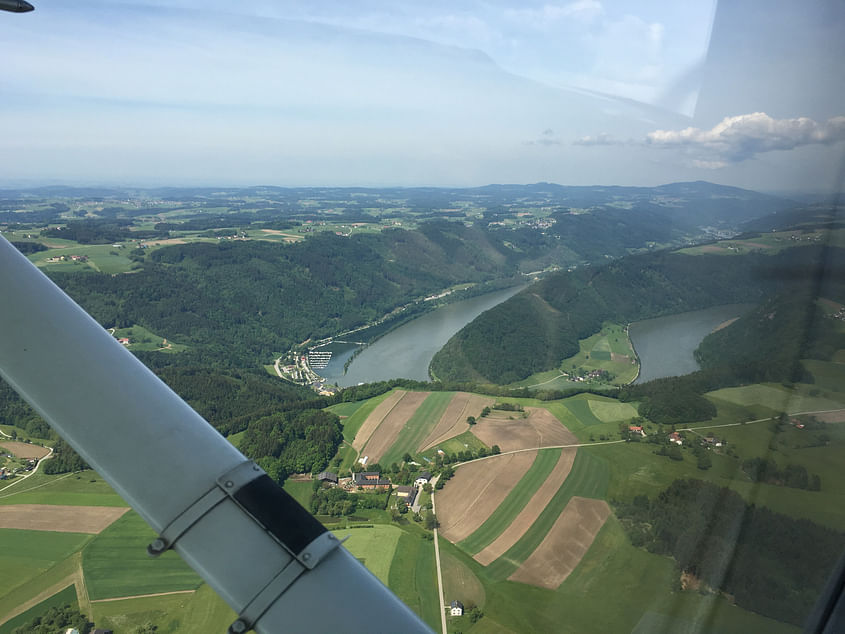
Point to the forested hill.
(238, 303)
(537, 328)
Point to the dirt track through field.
(529, 514)
(61, 519)
(374, 419)
(476, 490)
(386, 434)
(454, 419)
(25, 449)
(837, 416)
(539, 429)
(565, 545)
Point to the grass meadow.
(116, 563)
(85, 488)
(374, 547)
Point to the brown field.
(476, 490)
(539, 429)
(166, 241)
(620, 358)
(837, 416)
(566, 543)
(24, 449)
(528, 515)
(711, 248)
(62, 519)
(454, 419)
(386, 434)
(374, 419)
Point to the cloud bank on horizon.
(736, 139)
(440, 93)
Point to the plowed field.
(62, 519)
(565, 544)
(454, 419)
(476, 490)
(539, 429)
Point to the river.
(407, 351)
(665, 345)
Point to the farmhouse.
(636, 429)
(675, 438)
(423, 478)
(327, 476)
(457, 608)
(370, 480)
(407, 493)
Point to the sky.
(460, 93)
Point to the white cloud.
(735, 139)
(742, 137)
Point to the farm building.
(423, 478)
(327, 476)
(370, 480)
(407, 493)
(675, 438)
(457, 608)
(636, 429)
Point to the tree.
(495, 450)
(485, 412)
(430, 521)
(704, 461)
(471, 420)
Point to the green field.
(85, 488)
(580, 406)
(418, 426)
(611, 410)
(779, 398)
(605, 593)
(515, 501)
(828, 375)
(301, 491)
(344, 410)
(461, 442)
(374, 547)
(116, 563)
(147, 341)
(352, 424)
(103, 258)
(195, 613)
(589, 478)
(61, 598)
(413, 576)
(768, 243)
(26, 554)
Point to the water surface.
(407, 351)
(665, 345)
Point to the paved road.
(437, 560)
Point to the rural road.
(437, 560)
(31, 473)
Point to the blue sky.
(437, 93)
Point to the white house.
(457, 608)
(423, 478)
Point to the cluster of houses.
(65, 258)
(373, 480)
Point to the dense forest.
(768, 562)
(293, 442)
(537, 328)
(242, 302)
